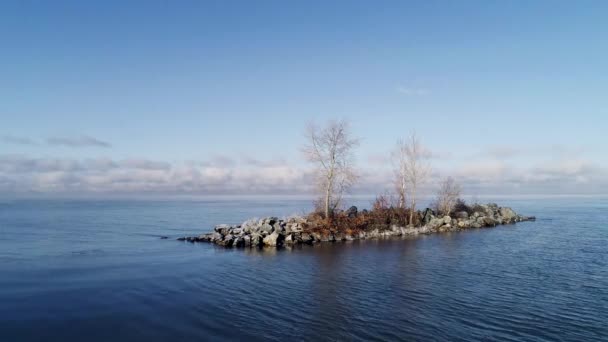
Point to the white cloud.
(26, 175)
(412, 91)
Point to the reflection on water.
(98, 271)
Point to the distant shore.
(353, 224)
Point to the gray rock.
(257, 240)
(489, 222)
(307, 238)
(227, 241)
(462, 215)
(508, 215)
(222, 228)
(266, 228)
(435, 223)
(273, 240)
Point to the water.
(97, 271)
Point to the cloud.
(11, 139)
(553, 151)
(412, 91)
(28, 175)
(80, 141)
(21, 174)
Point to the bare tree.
(400, 170)
(412, 170)
(447, 196)
(330, 148)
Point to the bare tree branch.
(448, 194)
(411, 170)
(330, 148)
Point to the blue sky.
(511, 96)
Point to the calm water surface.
(97, 271)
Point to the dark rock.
(226, 242)
(239, 242)
(462, 215)
(427, 216)
(352, 212)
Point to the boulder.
(307, 238)
(257, 240)
(427, 216)
(435, 223)
(488, 222)
(266, 228)
(273, 240)
(462, 215)
(222, 228)
(247, 241)
(239, 241)
(508, 215)
(463, 224)
(279, 228)
(227, 241)
(352, 212)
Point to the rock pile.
(275, 232)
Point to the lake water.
(97, 271)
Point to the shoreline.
(297, 230)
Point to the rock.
(239, 242)
(508, 215)
(278, 228)
(435, 223)
(266, 228)
(227, 241)
(307, 238)
(257, 240)
(464, 224)
(462, 215)
(488, 222)
(447, 220)
(427, 216)
(247, 241)
(289, 240)
(164, 237)
(352, 212)
(323, 237)
(222, 228)
(339, 236)
(273, 240)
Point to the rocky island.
(352, 224)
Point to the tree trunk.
(327, 200)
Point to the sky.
(212, 97)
